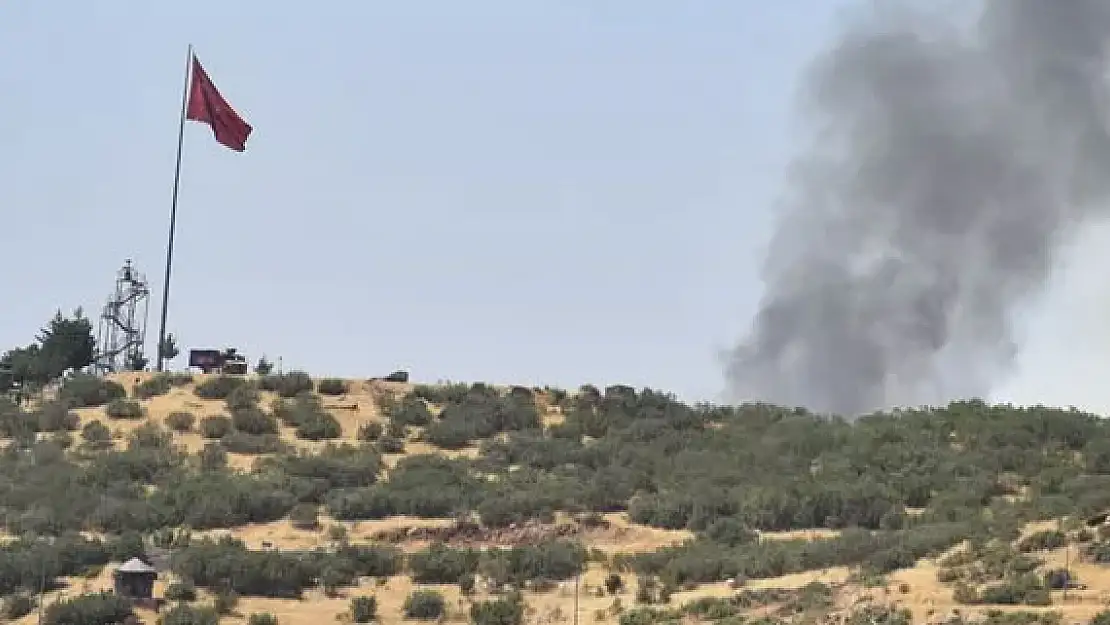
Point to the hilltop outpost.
(291, 498)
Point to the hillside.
(303, 498)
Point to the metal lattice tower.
(121, 336)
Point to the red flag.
(206, 105)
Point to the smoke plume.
(949, 162)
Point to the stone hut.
(134, 579)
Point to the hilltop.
(316, 499)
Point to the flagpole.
(173, 209)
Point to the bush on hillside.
(219, 387)
(262, 618)
(369, 431)
(228, 565)
(391, 445)
(96, 434)
(101, 608)
(215, 426)
(408, 411)
(440, 564)
(481, 414)
(252, 444)
(425, 605)
(185, 614)
(331, 386)
(181, 421)
(212, 457)
(124, 409)
(149, 435)
(181, 591)
(17, 606)
(1043, 540)
(364, 609)
(55, 416)
(503, 611)
(442, 394)
(88, 391)
(287, 385)
(306, 414)
(243, 397)
(252, 420)
(159, 384)
(303, 516)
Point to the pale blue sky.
(537, 192)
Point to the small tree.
(66, 343)
(181, 421)
(303, 517)
(168, 348)
(425, 605)
(96, 434)
(507, 611)
(364, 609)
(124, 409)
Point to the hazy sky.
(535, 192)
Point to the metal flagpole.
(173, 210)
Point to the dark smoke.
(949, 163)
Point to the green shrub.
(244, 396)
(409, 411)
(88, 391)
(364, 609)
(287, 385)
(440, 564)
(303, 516)
(215, 426)
(17, 606)
(1042, 541)
(219, 387)
(331, 386)
(149, 435)
(225, 601)
(55, 416)
(252, 444)
(262, 618)
(425, 605)
(92, 609)
(318, 425)
(391, 445)
(180, 421)
(506, 611)
(252, 420)
(369, 431)
(467, 583)
(124, 409)
(181, 591)
(96, 434)
(152, 387)
(212, 457)
(185, 614)
(179, 378)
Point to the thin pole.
(1067, 567)
(577, 582)
(173, 210)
